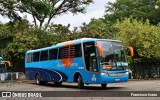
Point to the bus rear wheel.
(38, 82)
(37, 79)
(80, 82)
(103, 85)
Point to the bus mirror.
(130, 51)
(99, 50)
(8, 63)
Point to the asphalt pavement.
(131, 90)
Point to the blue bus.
(83, 61)
(3, 65)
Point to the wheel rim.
(37, 79)
(79, 81)
(80, 84)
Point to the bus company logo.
(67, 62)
(6, 94)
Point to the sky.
(95, 10)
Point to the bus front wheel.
(57, 83)
(103, 85)
(80, 82)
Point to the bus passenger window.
(75, 51)
(53, 54)
(78, 51)
(29, 58)
(36, 56)
(44, 55)
(64, 53)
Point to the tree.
(144, 38)
(42, 10)
(59, 29)
(18, 37)
(8, 9)
(140, 9)
(98, 28)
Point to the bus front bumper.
(113, 79)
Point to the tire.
(38, 79)
(38, 82)
(103, 85)
(57, 83)
(80, 82)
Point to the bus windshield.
(113, 56)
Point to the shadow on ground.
(86, 87)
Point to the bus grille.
(117, 74)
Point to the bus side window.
(63, 53)
(44, 55)
(53, 54)
(75, 51)
(29, 58)
(36, 56)
(78, 51)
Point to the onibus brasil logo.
(21, 94)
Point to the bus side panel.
(45, 74)
(77, 65)
(46, 70)
(90, 77)
(30, 74)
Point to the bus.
(3, 65)
(81, 61)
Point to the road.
(131, 86)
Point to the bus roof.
(71, 42)
(41, 49)
(84, 40)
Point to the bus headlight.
(126, 73)
(104, 74)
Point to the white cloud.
(95, 10)
(3, 19)
(77, 20)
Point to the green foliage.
(59, 29)
(140, 9)
(145, 39)
(18, 37)
(142, 36)
(134, 22)
(98, 28)
(8, 9)
(42, 10)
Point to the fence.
(12, 77)
(145, 70)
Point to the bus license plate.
(117, 80)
